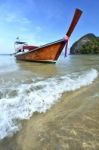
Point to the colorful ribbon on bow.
(66, 38)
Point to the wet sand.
(71, 124)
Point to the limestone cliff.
(88, 44)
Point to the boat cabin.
(23, 47)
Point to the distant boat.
(46, 53)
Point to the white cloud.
(15, 18)
(10, 17)
(38, 28)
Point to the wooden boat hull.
(47, 53)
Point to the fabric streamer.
(66, 38)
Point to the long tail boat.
(49, 52)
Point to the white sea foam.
(22, 100)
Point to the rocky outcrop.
(88, 44)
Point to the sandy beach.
(72, 123)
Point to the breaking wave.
(18, 102)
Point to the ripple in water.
(18, 102)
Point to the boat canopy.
(29, 47)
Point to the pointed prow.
(74, 22)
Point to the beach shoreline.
(72, 123)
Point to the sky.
(42, 21)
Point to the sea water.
(27, 87)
